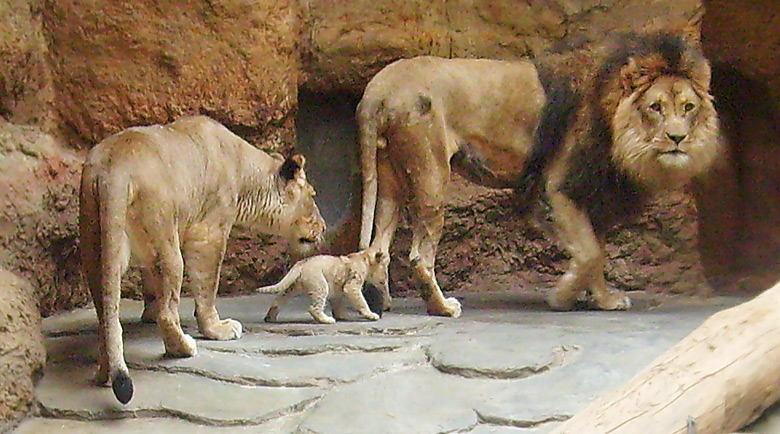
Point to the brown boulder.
(120, 64)
(22, 354)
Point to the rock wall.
(740, 208)
(22, 354)
(75, 71)
(344, 43)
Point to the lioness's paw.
(449, 307)
(612, 300)
(183, 347)
(225, 330)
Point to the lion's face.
(666, 132)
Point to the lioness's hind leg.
(427, 221)
(168, 270)
(203, 259)
(386, 217)
(151, 305)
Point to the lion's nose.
(676, 138)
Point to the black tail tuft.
(373, 297)
(123, 386)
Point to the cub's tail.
(286, 282)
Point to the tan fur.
(334, 278)
(665, 133)
(165, 197)
(600, 163)
(414, 116)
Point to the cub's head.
(300, 219)
(377, 268)
(664, 125)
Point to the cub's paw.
(449, 307)
(224, 330)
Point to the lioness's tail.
(368, 135)
(286, 282)
(104, 254)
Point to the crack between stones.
(318, 331)
(501, 421)
(562, 356)
(325, 349)
(169, 413)
(234, 379)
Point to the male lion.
(334, 278)
(166, 197)
(600, 143)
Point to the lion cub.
(334, 278)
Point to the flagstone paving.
(507, 366)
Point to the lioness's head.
(665, 128)
(300, 219)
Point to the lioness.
(334, 278)
(638, 122)
(166, 197)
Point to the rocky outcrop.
(343, 47)
(39, 214)
(740, 208)
(117, 64)
(22, 354)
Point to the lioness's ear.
(277, 156)
(292, 169)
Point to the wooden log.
(721, 377)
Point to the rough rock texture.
(118, 64)
(82, 70)
(26, 93)
(39, 214)
(741, 210)
(22, 353)
(345, 43)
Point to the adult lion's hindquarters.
(166, 197)
(646, 124)
(421, 118)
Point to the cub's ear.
(292, 169)
(378, 256)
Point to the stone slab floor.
(507, 366)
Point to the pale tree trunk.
(724, 375)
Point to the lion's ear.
(629, 74)
(690, 33)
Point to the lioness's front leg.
(586, 269)
(203, 253)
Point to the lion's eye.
(689, 106)
(656, 107)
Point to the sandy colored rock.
(22, 354)
(345, 43)
(38, 214)
(123, 64)
(26, 91)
